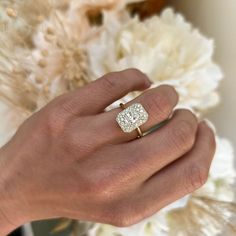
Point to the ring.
(131, 118)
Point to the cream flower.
(18, 19)
(59, 62)
(222, 173)
(53, 59)
(166, 48)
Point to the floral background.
(212, 17)
(52, 47)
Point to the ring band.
(140, 133)
(122, 106)
(131, 118)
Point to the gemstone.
(132, 117)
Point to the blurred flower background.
(51, 47)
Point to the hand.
(71, 159)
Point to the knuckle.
(186, 114)
(135, 72)
(75, 143)
(159, 104)
(169, 89)
(111, 82)
(124, 217)
(170, 94)
(196, 176)
(134, 77)
(68, 106)
(102, 188)
(122, 222)
(183, 135)
(55, 121)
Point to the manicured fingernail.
(210, 124)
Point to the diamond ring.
(131, 118)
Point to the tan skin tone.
(71, 159)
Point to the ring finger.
(159, 103)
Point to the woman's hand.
(71, 159)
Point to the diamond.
(132, 117)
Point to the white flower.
(166, 48)
(222, 173)
(223, 162)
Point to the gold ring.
(132, 117)
(140, 133)
(122, 106)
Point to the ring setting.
(132, 117)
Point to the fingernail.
(210, 124)
(148, 83)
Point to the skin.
(71, 159)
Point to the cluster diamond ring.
(131, 118)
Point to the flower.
(50, 62)
(166, 48)
(42, 52)
(58, 60)
(222, 173)
(20, 18)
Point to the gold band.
(122, 106)
(139, 131)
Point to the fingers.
(158, 102)
(181, 177)
(171, 183)
(99, 94)
(158, 149)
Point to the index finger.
(99, 94)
